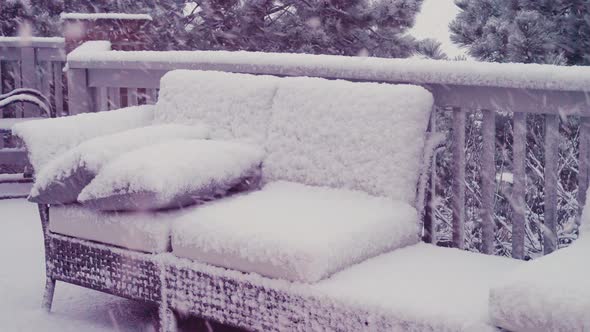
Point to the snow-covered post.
(124, 31)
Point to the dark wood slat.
(488, 186)
(551, 181)
(458, 188)
(519, 186)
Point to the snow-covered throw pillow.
(64, 177)
(174, 174)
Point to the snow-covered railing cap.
(104, 16)
(41, 42)
(415, 71)
(89, 48)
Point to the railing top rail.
(97, 55)
(38, 42)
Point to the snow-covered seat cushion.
(174, 174)
(148, 231)
(45, 139)
(551, 293)
(64, 177)
(293, 231)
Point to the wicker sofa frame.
(179, 286)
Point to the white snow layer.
(361, 136)
(415, 71)
(233, 105)
(294, 232)
(143, 231)
(94, 153)
(551, 293)
(104, 16)
(45, 139)
(173, 168)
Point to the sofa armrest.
(44, 139)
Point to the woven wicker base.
(261, 304)
(225, 296)
(100, 267)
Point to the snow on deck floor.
(22, 277)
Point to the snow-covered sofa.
(330, 242)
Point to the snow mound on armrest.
(551, 293)
(45, 139)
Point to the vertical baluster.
(132, 97)
(79, 93)
(1, 89)
(488, 185)
(2, 110)
(150, 96)
(519, 186)
(46, 80)
(58, 89)
(114, 98)
(17, 83)
(551, 181)
(583, 162)
(102, 99)
(430, 190)
(29, 78)
(1, 77)
(458, 188)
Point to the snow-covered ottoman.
(551, 293)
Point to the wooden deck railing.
(99, 77)
(36, 63)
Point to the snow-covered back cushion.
(294, 231)
(174, 174)
(361, 136)
(64, 177)
(46, 139)
(233, 105)
(551, 293)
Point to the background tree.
(529, 31)
(343, 27)
(12, 14)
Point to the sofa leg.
(168, 321)
(48, 295)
